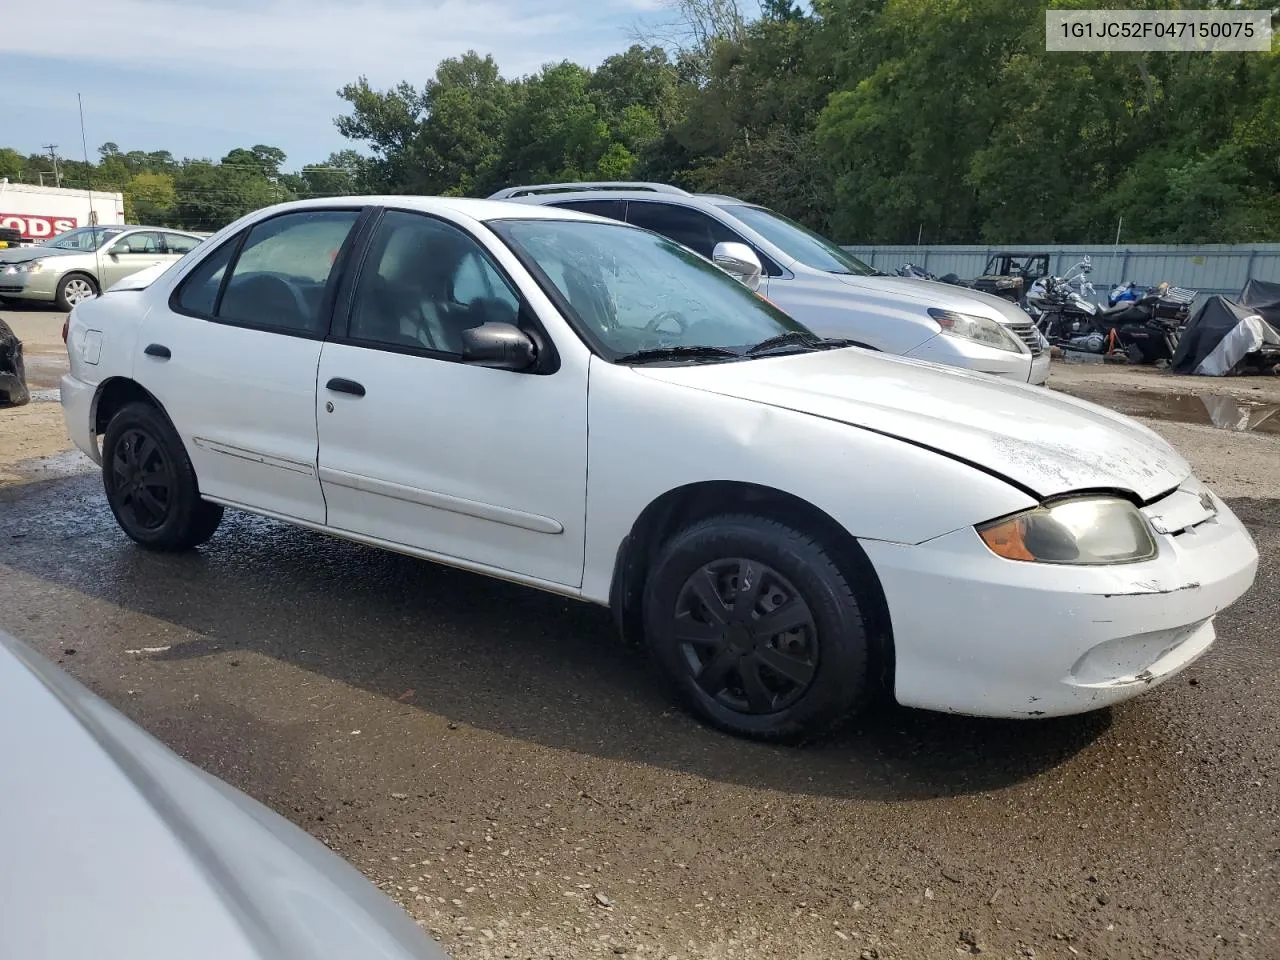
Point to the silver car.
(823, 286)
(81, 263)
(116, 848)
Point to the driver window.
(424, 282)
(278, 281)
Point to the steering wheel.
(653, 325)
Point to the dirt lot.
(493, 759)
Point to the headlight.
(981, 330)
(1083, 530)
(30, 266)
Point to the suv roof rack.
(528, 191)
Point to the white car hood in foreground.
(112, 847)
(1044, 442)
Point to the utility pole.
(53, 155)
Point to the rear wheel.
(757, 628)
(75, 288)
(150, 483)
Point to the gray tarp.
(13, 375)
(1219, 335)
(1263, 297)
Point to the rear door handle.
(341, 385)
(157, 350)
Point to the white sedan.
(584, 407)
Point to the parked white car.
(116, 848)
(823, 286)
(588, 408)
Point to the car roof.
(546, 193)
(482, 210)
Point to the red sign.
(33, 227)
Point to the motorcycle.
(913, 272)
(1060, 312)
(1148, 327)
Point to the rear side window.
(199, 291)
(613, 209)
(689, 228)
(179, 244)
(279, 279)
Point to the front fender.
(648, 437)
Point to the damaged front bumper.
(978, 634)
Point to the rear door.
(233, 359)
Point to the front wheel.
(150, 483)
(75, 288)
(757, 628)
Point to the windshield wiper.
(797, 338)
(691, 352)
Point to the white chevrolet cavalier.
(585, 407)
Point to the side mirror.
(740, 262)
(502, 346)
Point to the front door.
(128, 255)
(235, 364)
(422, 450)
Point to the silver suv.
(821, 285)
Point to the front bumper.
(78, 412)
(968, 355)
(29, 286)
(977, 634)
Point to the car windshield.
(811, 249)
(85, 238)
(635, 291)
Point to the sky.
(200, 77)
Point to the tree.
(210, 195)
(150, 198)
(468, 108)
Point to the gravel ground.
(502, 767)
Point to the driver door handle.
(157, 350)
(341, 385)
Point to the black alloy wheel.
(144, 479)
(150, 483)
(746, 635)
(758, 628)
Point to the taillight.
(65, 325)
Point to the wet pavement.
(495, 759)
(1214, 409)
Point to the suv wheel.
(150, 483)
(757, 628)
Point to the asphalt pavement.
(503, 767)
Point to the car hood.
(1045, 442)
(118, 849)
(944, 296)
(24, 254)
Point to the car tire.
(725, 663)
(150, 483)
(72, 290)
